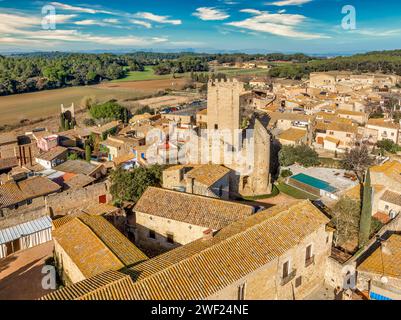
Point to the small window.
(308, 253)
(298, 282)
(152, 234)
(216, 126)
(241, 292)
(170, 238)
(386, 207)
(286, 269)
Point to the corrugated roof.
(190, 208)
(24, 229)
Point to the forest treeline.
(39, 71)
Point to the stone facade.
(274, 286)
(63, 203)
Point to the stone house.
(386, 129)
(8, 144)
(279, 253)
(52, 157)
(206, 180)
(178, 218)
(293, 137)
(82, 167)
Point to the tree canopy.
(301, 154)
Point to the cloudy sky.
(310, 26)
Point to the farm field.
(42, 104)
(240, 71)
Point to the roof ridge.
(199, 196)
(223, 241)
(95, 234)
(107, 285)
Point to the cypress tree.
(88, 152)
(366, 214)
(66, 124)
(62, 121)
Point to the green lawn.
(294, 192)
(148, 74)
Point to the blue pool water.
(316, 183)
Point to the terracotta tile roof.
(53, 153)
(76, 166)
(355, 191)
(386, 261)
(100, 209)
(109, 285)
(7, 163)
(197, 270)
(78, 181)
(208, 174)
(391, 169)
(382, 217)
(333, 140)
(95, 245)
(124, 158)
(292, 134)
(343, 127)
(351, 113)
(383, 123)
(391, 197)
(38, 186)
(104, 128)
(193, 209)
(203, 267)
(12, 193)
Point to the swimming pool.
(314, 182)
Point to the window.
(241, 292)
(152, 234)
(170, 238)
(286, 269)
(386, 207)
(309, 258)
(220, 191)
(298, 282)
(216, 126)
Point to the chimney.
(207, 234)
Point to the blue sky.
(310, 26)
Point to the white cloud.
(282, 3)
(145, 24)
(111, 21)
(206, 14)
(78, 9)
(26, 30)
(156, 18)
(275, 23)
(90, 22)
(376, 33)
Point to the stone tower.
(224, 104)
(69, 112)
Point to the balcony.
(309, 261)
(288, 278)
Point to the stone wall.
(63, 203)
(67, 269)
(265, 283)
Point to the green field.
(294, 192)
(148, 74)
